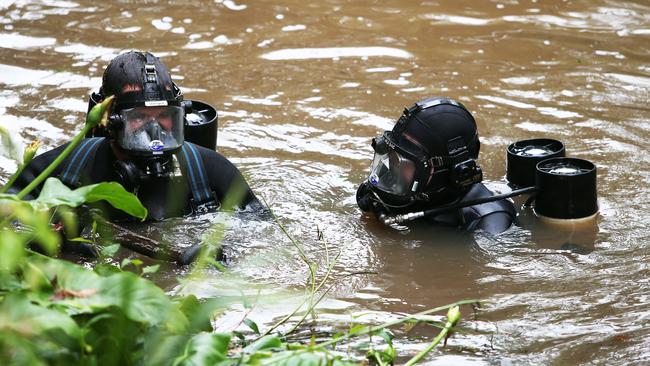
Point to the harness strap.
(76, 163)
(193, 169)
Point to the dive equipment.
(428, 156)
(523, 156)
(201, 122)
(563, 188)
(566, 188)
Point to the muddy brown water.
(301, 87)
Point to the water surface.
(302, 87)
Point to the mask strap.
(151, 87)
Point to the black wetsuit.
(163, 198)
(492, 217)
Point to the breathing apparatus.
(561, 188)
(428, 158)
(150, 121)
(410, 173)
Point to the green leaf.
(20, 315)
(304, 359)
(12, 247)
(251, 324)
(385, 334)
(34, 277)
(55, 193)
(239, 335)
(82, 291)
(110, 250)
(161, 348)
(106, 270)
(207, 349)
(264, 343)
(151, 269)
(357, 329)
(197, 313)
(137, 262)
(80, 240)
(125, 262)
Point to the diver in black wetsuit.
(143, 148)
(428, 160)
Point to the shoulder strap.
(78, 160)
(193, 169)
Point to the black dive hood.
(440, 137)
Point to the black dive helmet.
(428, 157)
(147, 118)
(200, 119)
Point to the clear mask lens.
(392, 173)
(151, 129)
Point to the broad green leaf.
(81, 291)
(137, 262)
(55, 193)
(304, 359)
(207, 349)
(161, 349)
(251, 324)
(20, 315)
(197, 313)
(35, 278)
(106, 270)
(125, 262)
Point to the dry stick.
(140, 244)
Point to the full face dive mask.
(147, 120)
(422, 159)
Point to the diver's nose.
(153, 129)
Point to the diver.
(428, 163)
(143, 148)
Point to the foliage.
(53, 312)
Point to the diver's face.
(406, 167)
(143, 115)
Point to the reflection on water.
(302, 87)
(335, 53)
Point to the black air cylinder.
(201, 124)
(567, 188)
(524, 155)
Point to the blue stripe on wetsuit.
(74, 165)
(202, 183)
(196, 171)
